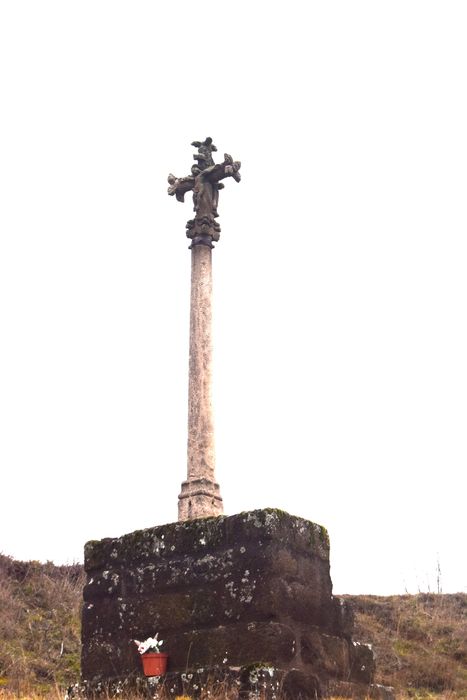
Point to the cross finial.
(205, 183)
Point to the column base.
(199, 498)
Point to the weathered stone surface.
(237, 644)
(107, 658)
(246, 533)
(226, 592)
(341, 619)
(362, 663)
(297, 684)
(323, 652)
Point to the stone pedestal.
(229, 593)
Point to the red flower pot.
(154, 664)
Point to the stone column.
(200, 495)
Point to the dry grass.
(39, 624)
(420, 641)
(58, 694)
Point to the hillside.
(420, 641)
(39, 623)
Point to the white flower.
(150, 644)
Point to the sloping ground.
(420, 641)
(39, 623)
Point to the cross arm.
(219, 171)
(179, 186)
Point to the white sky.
(340, 279)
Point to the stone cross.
(200, 494)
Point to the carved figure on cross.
(205, 184)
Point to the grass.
(420, 641)
(59, 694)
(39, 625)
